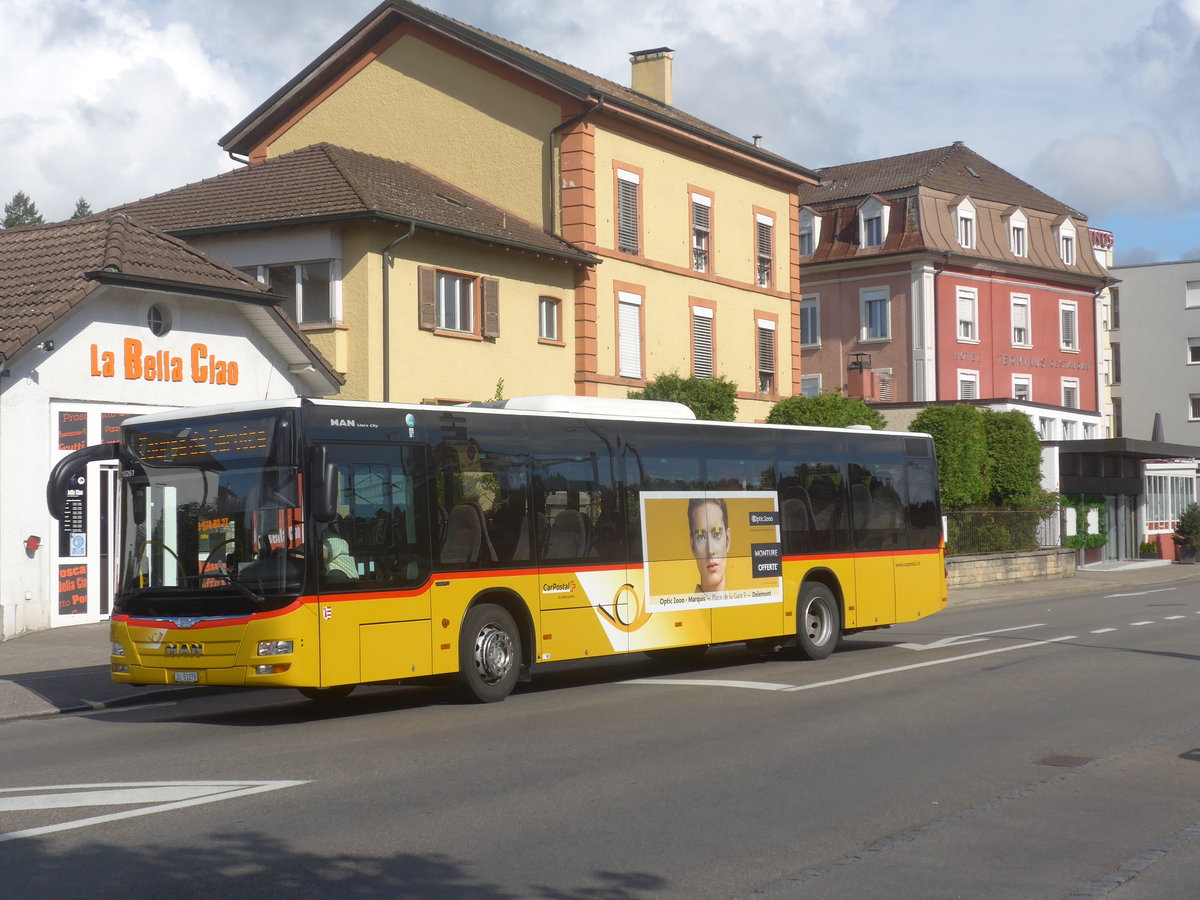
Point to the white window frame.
(1026, 381)
(1064, 237)
(1046, 428)
(968, 384)
(1021, 302)
(703, 359)
(764, 250)
(629, 335)
(1194, 407)
(810, 310)
(549, 319)
(1068, 339)
(964, 224)
(885, 382)
(873, 208)
(766, 364)
(1191, 296)
(866, 297)
(453, 308)
(629, 205)
(701, 233)
(1017, 226)
(263, 273)
(1070, 385)
(810, 228)
(1193, 352)
(810, 385)
(966, 304)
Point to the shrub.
(830, 410)
(1014, 458)
(714, 399)
(961, 444)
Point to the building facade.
(691, 230)
(939, 276)
(102, 319)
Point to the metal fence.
(974, 531)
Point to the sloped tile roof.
(946, 169)
(569, 78)
(323, 182)
(48, 270)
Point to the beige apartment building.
(567, 234)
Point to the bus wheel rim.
(817, 620)
(494, 653)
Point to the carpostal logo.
(558, 587)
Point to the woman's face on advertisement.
(710, 545)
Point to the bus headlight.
(117, 650)
(274, 648)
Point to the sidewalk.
(67, 669)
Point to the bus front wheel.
(489, 654)
(818, 622)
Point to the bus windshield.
(212, 519)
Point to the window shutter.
(966, 316)
(1020, 323)
(627, 213)
(426, 298)
(766, 346)
(491, 307)
(629, 347)
(702, 342)
(1068, 327)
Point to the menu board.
(72, 527)
(110, 426)
(72, 430)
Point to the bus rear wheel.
(489, 654)
(818, 622)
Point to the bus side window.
(483, 502)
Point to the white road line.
(164, 795)
(789, 688)
(959, 639)
(1139, 593)
(1148, 622)
(1103, 630)
(1172, 618)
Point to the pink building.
(939, 276)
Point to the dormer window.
(964, 223)
(1064, 236)
(1017, 226)
(872, 222)
(810, 231)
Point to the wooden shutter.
(426, 298)
(702, 342)
(628, 226)
(491, 307)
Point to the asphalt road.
(1041, 749)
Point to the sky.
(1092, 102)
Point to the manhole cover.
(1065, 762)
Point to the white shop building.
(102, 319)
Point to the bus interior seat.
(465, 533)
(568, 535)
(797, 512)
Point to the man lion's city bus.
(320, 545)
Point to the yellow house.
(678, 241)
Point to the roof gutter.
(143, 282)
(555, 163)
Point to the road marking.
(790, 688)
(161, 796)
(1139, 593)
(1171, 618)
(960, 639)
(1103, 630)
(1148, 622)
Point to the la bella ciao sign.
(161, 365)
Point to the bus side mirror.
(324, 487)
(67, 468)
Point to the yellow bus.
(320, 545)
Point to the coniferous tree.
(82, 209)
(20, 210)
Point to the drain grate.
(1066, 762)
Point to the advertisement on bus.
(706, 549)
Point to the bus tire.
(489, 654)
(332, 694)
(818, 621)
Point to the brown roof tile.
(47, 270)
(322, 182)
(946, 169)
(569, 78)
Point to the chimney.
(652, 73)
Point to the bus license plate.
(187, 677)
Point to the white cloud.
(1101, 173)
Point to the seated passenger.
(339, 564)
